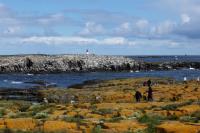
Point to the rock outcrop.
(65, 63)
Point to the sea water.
(66, 79)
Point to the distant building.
(185, 78)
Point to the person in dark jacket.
(150, 94)
(138, 96)
(145, 83)
(149, 83)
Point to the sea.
(169, 58)
(63, 80)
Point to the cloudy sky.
(116, 27)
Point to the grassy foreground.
(107, 107)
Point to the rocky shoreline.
(82, 63)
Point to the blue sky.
(116, 27)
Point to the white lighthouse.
(87, 52)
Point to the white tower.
(87, 52)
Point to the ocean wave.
(30, 74)
(16, 82)
(5, 80)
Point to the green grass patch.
(40, 108)
(24, 107)
(151, 121)
(196, 114)
(2, 112)
(76, 119)
(96, 129)
(188, 119)
(115, 119)
(41, 115)
(103, 111)
(176, 105)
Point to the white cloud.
(143, 28)
(73, 40)
(189, 13)
(12, 30)
(51, 19)
(51, 40)
(139, 27)
(185, 18)
(117, 41)
(91, 28)
(124, 28)
(4, 11)
(165, 27)
(142, 24)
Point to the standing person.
(150, 94)
(138, 96)
(149, 83)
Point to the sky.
(104, 27)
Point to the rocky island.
(82, 63)
(65, 63)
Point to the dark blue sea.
(64, 80)
(169, 58)
(67, 79)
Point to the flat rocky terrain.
(107, 107)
